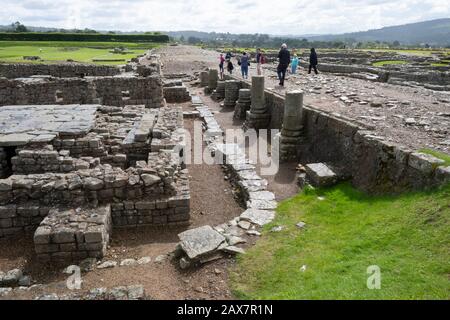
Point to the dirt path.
(212, 203)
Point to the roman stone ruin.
(87, 149)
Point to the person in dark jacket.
(284, 58)
(313, 61)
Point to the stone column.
(204, 79)
(243, 104)
(219, 93)
(258, 117)
(231, 93)
(292, 131)
(213, 78)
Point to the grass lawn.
(407, 236)
(437, 154)
(52, 52)
(416, 52)
(388, 62)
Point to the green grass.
(438, 154)
(417, 52)
(407, 236)
(53, 52)
(439, 64)
(389, 62)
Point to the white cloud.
(245, 16)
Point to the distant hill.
(433, 32)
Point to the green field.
(417, 52)
(406, 236)
(85, 52)
(389, 62)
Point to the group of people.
(284, 61)
(243, 62)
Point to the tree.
(18, 27)
(194, 40)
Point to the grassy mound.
(347, 231)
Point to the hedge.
(88, 37)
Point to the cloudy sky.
(235, 16)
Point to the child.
(294, 64)
(230, 67)
(221, 66)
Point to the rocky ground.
(415, 117)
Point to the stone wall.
(114, 91)
(370, 162)
(176, 94)
(373, 164)
(13, 71)
(16, 218)
(29, 161)
(3, 163)
(101, 184)
(170, 210)
(73, 234)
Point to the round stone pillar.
(258, 117)
(204, 78)
(258, 99)
(243, 104)
(213, 78)
(231, 93)
(291, 135)
(219, 93)
(293, 114)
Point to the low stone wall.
(172, 210)
(177, 94)
(114, 91)
(73, 234)
(41, 161)
(16, 218)
(370, 162)
(102, 184)
(341, 68)
(25, 70)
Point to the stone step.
(320, 175)
(71, 235)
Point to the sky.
(276, 17)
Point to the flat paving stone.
(258, 217)
(201, 241)
(21, 124)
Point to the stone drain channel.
(207, 243)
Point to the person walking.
(221, 66)
(260, 60)
(245, 63)
(313, 61)
(230, 67)
(284, 58)
(294, 64)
